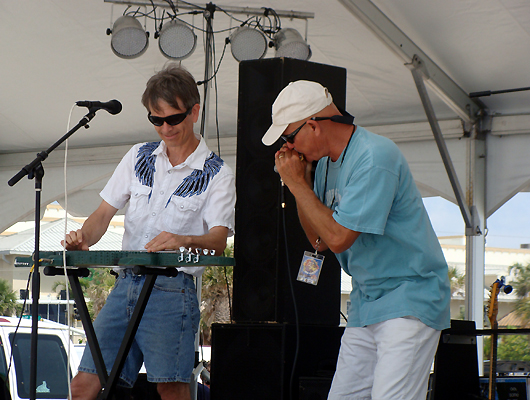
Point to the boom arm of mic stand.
(43, 155)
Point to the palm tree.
(61, 285)
(99, 285)
(96, 287)
(8, 300)
(216, 296)
(521, 284)
(456, 280)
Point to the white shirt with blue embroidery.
(186, 199)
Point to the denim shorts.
(166, 335)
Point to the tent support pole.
(475, 240)
(440, 142)
(473, 211)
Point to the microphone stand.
(35, 170)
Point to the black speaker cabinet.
(262, 290)
(256, 361)
(456, 364)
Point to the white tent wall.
(508, 168)
(88, 170)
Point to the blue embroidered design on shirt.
(197, 182)
(144, 169)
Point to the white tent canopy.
(56, 52)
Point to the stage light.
(129, 39)
(177, 40)
(248, 44)
(289, 43)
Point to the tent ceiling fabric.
(56, 53)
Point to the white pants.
(390, 360)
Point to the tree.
(513, 347)
(8, 300)
(521, 284)
(456, 280)
(99, 285)
(61, 285)
(96, 287)
(509, 347)
(216, 294)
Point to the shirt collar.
(195, 160)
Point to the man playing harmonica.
(365, 207)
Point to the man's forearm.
(93, 230)
(314, 216)
(317, 221)
(97, 224)
(215, 239)
(311, 234)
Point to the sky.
(508, 227)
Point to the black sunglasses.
(172, 120)
(345, 118)
(290, 137)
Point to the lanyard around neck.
(327, 170)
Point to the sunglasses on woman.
(172, 120)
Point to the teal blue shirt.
(396, 264)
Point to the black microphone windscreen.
(114, 107)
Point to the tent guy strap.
(232, 10)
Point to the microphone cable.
(344, 316)
(66, 283)
(291, 287)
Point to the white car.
(52, 359)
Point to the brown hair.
(172, 83)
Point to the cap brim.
(272, 135)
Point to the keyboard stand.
(109, 382)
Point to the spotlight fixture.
(129, 39)
(248, 44)
(289, 43)
(177, 40)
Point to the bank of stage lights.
(177, 40)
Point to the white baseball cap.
(297, 101)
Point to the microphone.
(113, 106)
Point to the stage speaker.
(456, 365)
(267, 258)
(256, 361)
